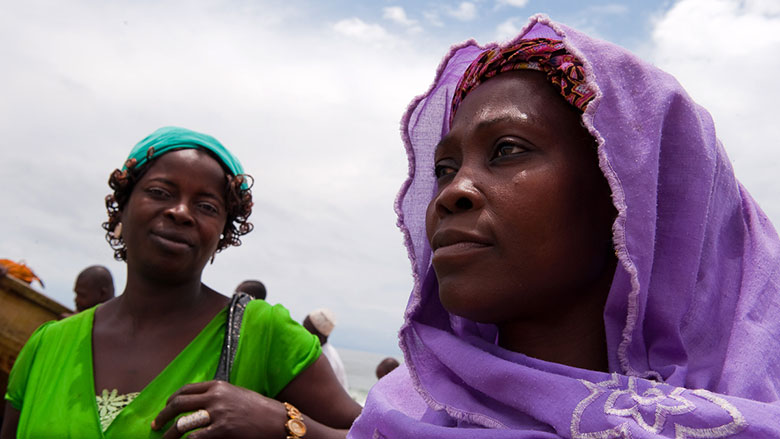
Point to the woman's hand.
(328, 411)
(233, 412)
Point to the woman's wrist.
(294, 424)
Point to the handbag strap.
(232, 331)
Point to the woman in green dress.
(142, 364)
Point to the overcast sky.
(309, 94)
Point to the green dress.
(52, 383)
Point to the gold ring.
(193, 420)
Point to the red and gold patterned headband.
(563, 70)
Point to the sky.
(309, 95)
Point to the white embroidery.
(111, 404)
(627, 401)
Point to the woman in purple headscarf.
(586, 264)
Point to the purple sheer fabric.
(693, 315)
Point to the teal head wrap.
(168, 139)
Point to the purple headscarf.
(693, 314)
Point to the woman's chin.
(469, 307)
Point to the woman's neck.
(573, 339)
(572, 334)
(149, 299)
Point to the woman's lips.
(452, 243)
(458, 249)
(172, 240)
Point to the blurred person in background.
(321, 322)
(94, 285)
(254, 288)
(386, 366)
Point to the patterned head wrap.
(169, 139)
(563, 70)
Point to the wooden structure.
(22, 310)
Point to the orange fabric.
(20, 271)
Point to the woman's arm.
(10, 422)
(317, 392)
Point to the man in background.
(94, 285)
(386, 366)
(254, 288)
(321, 322)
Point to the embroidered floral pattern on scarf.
(654, 408)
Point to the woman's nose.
(180, 213)
(460, 195)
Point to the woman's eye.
(444, 167)
(443, 170)
(208, 207)
(507, 149)
(157, 192)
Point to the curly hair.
(238, 203)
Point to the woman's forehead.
(488, 115)
(185, 163)
(521, 96)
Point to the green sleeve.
(17, 380)
(273, 349)
(293, 349)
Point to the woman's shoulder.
(48, 347)
(273, 348)
(66, 327)
(260, 311)
(271, 326)
(52, 336)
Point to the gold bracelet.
(295, 426)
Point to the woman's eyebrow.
(509, 115)
(161, 179)
(213, 195)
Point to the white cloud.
(608, 9)
(764, 7)
(515, 3)
(723, 52)
(466, 11)
(508, 29)
(355, 27)
(433, 18)
(397, 15)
